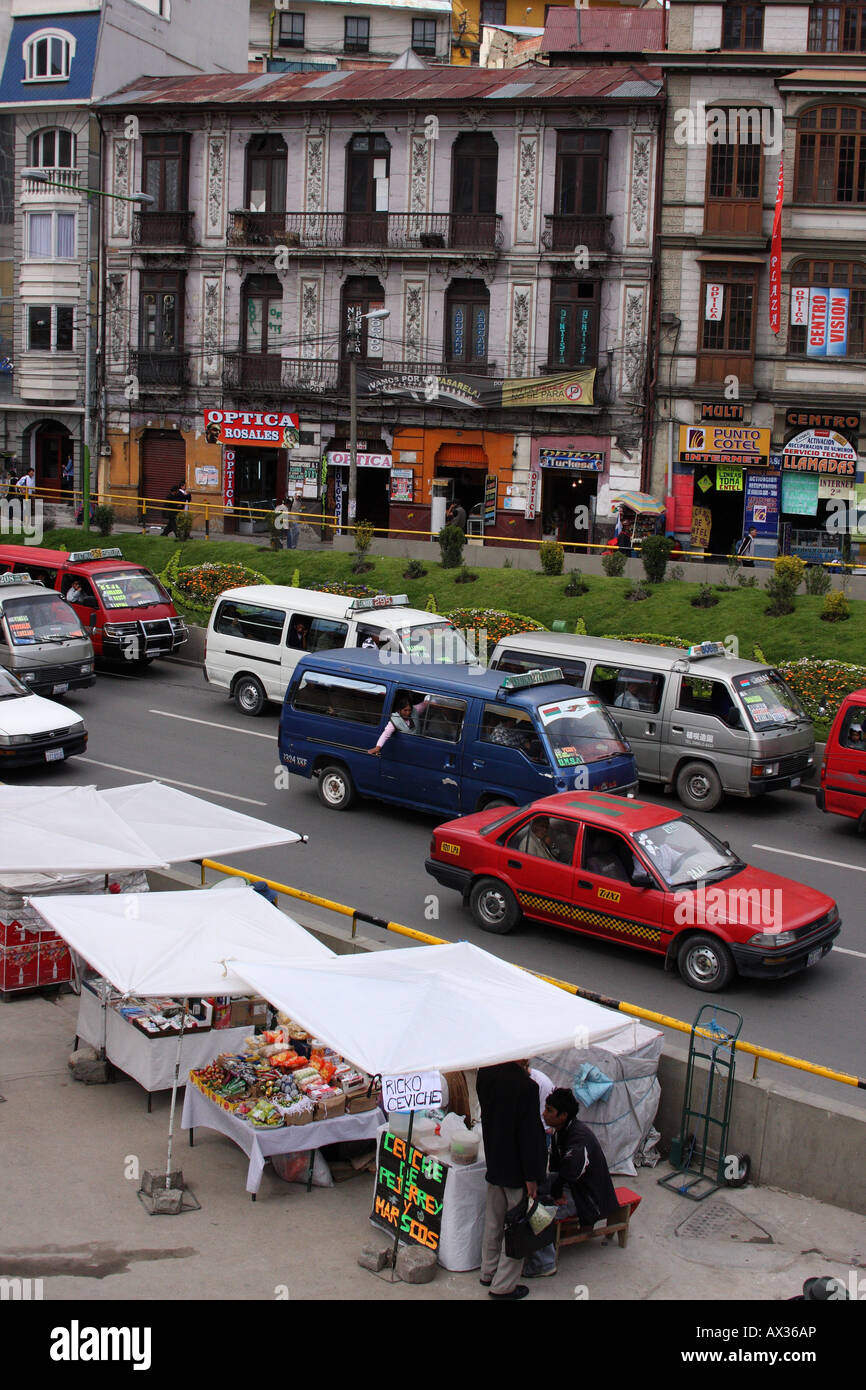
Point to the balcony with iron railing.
(159, 370)
(565, 232)
(388, 231)
(253, 371)
(162, 229)
(266, 373)
(62, 184)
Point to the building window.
(837, 29)
(831, 156)
(581, 172)
(50, 327)
(424, 36)
(475, 163)
(743, 27)
(292, 30)
(48, 55)
(366, 337)
(356, 36)
(492, 12)
(263, 314)
(164, 172)
(734, 203)
(574, 312)
(161, 313)
(467, 319)
(51, 149)
(51, 236)
(727, 343)
(847, 277)
(266, 173)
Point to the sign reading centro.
(271, 429)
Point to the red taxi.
(638, 874)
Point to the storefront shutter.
(163, 463)
(461, 453)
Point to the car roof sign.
(21, 577)
(113, 552)
(550, 675)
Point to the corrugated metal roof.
(537, 83)
(603, 31)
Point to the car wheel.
(698, 787)
(705, 962)
(494, 906)
(494, 804)
(744, 1169)
(336, 788)
(249, 695)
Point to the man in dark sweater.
(516, 1154)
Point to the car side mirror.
(733, 720)
(640, 878)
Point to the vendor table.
(259, 1144)
(151, 1061)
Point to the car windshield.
(683, 854)
(768, 700)
(11, 688)
(580, 730)
(436, 642)
(130, 589)
(40, 618)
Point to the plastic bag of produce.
(296, 1168)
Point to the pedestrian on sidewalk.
(516, 1152)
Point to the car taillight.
(432, 844)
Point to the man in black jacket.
(516, 1154)
(579, 1180)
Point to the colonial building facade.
(503, 221)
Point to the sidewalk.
(72, 1218)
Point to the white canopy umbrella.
(429, 1008)
(67, 830)
(180, 827)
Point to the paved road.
(167, 724)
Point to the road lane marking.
(813, 858)
(190, 786)
(232, 728)
(843, 951)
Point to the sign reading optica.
(271, 429)
(724, 444)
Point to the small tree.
(552, 557)
(783, 584)
(613, 563)
(836, 608)
(451, 542)
(817, 580)
(655, 551)
(183, 526)
(103, 518)
(363, 540)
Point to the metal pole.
(85, 452)
(353, 435)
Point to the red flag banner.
(776, 253)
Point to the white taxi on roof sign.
(34, 730)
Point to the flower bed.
(821, 683)
(652, 639)
(497, 623)
(196, 587)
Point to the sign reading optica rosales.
(417, 1091)
(271, 429)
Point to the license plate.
(795, 781)
(53, 755)
(814, 956)
(59, 689)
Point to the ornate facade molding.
(310, 310)
(314, 172)
(120, 214)
(211, 315)
(634, 339)
(639, 192)
(525, 232)
(519, 336)
(419, 174)
(118, 338)
(413, 319)
(215, 194)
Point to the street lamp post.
(353, 346)
(41, 176)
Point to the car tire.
(336, 788)
(494, 803)
(494, 906)
(705, 962)
(744, 1171)
(698, 787)
(249, 695)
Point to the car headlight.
(86, 668)
(772, 938)
(27, 675)
(119, 629)
(13, 740)
(176, 623)
(765, 769)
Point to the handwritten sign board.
(420, 1091)
(410, 1192)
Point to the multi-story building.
(505, 223)
(309, 35)
(60, 56)
(470, 17)
(760, 381)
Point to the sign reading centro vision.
(268, 429)
(419, 1091)
(742, 445)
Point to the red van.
(843, 772)
(127, 613)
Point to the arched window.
(830, 298)
(467, 324)
(831, 156)
(51, 149)
(48, 55)
(837, 28)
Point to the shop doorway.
(568, 500)
(464, 468)
(726, 509)
(261, 476)
(52, 446)
(163, 463)
(374, 501)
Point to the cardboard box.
(19, 965)
(327, 1109)
(248, 1011)
(304, 1117)
(356, 1105)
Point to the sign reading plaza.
(410, 1192)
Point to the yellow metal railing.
(634, 1010)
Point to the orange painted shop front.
(461, 462)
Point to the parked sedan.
(35, 730)
(642, 875)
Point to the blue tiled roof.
(83, 28)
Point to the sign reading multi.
(733, 445)
(271, 429)
(567, 388)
